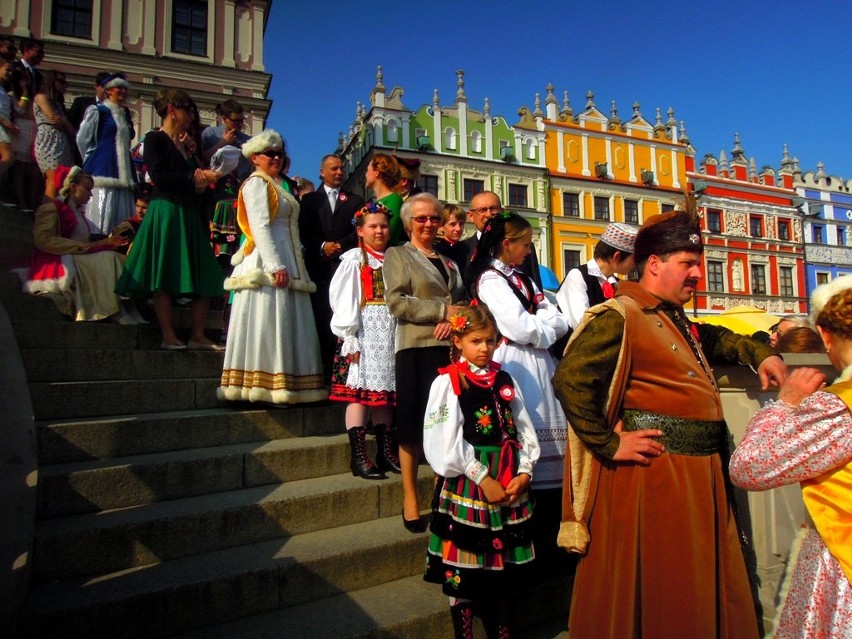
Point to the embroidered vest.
(829, 499)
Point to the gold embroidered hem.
(258, 386)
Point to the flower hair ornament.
(459, 322)
(367, 209)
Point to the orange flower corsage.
(459, 322)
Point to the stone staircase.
(162, 512)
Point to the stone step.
(92, 365)
(41, 334)
(65, 400)
(24, 308)
(191, 592)
(108, 484)
(66, 441)
(119, 539)
(408, 608)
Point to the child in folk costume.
(479, 439)
(363, 372)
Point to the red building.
(752, 233)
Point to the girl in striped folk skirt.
(479, 439)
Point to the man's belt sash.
(681, 436)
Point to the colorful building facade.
(462, 151)
(604, 169)
(826, 205)
(211, 49)
(752, 235)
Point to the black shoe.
(360, 463)
(414, 525)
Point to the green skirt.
(171, 253)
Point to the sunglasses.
(422, 219)
(272, 155)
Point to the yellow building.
(603, 169)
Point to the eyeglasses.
(236, 120)
(486, 209)
(422, 219)
(273, 155)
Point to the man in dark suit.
(32, 53)
(483, 206)
(326, 230)
(83, 102)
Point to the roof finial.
(671, 121)
(590, 99)
(435, 101)
(486, 110)
(538, 112)
(682, 137)
(613, 120)
(820, 170)
(785, 157)
(379, 78)
(658, 127)
(460, 96)
(636, 113)
(551, 96)
(737, 152)
(566, 106)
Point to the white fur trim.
(56, 285)
(122, 151)
(266, 139)
(255, 278)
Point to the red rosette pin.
(608, 290)
(693, 328)
(538, 299)
(342, 196)
(507, 393)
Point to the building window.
(472, 187)
(758, 279)
(631, 211)
(428, 184)
(716, 277)
(72, 18)
(570, 259)
(393, 130)
(784, 230)
(714, 221)
(841, 236)
(755, 226)
(476, 142)
(602, 208)
(450, 138)
(665, 208)
(189, 27)
(816, 229)
(821, 278)
(571, 204)
(517, 195)
(785, 282)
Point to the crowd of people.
(613, 446)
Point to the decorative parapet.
(839, 255)
(775, 306)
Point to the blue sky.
(776, 72)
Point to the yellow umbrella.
(744, 320)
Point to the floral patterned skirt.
(478, 550)
(224, 232)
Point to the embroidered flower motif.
(608, 290)
(497, 544)
(459, 322)
(452, 579)
(483, 420)
(509, 421)
(507, 393)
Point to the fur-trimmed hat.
(266, 139)
(620, 236)
(408, 167)
(114, 80)
(669, 232)
(824, 292)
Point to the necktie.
(332, 198)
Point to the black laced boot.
(387, 457)
(462, 614)
(360, 461)
(495, 619)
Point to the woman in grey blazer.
(421, 288)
